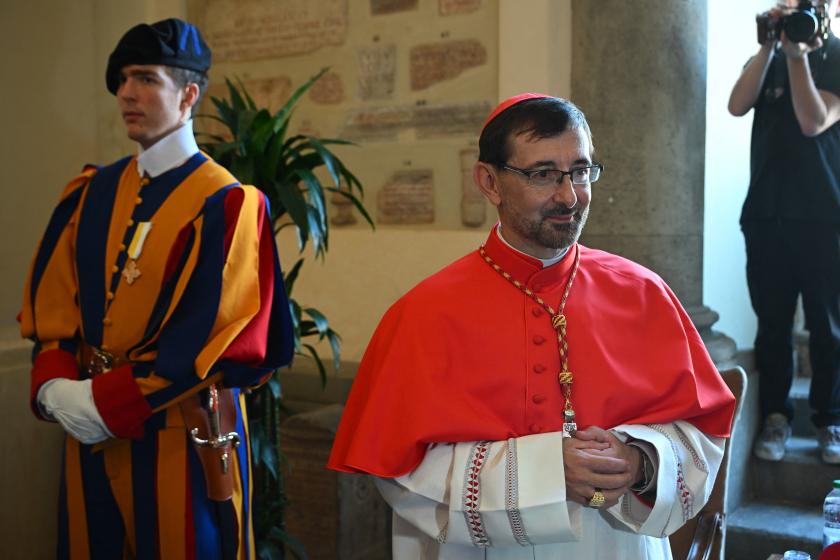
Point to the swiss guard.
(154, 298)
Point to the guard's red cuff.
(50, 364)
(120, 402)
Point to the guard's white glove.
(71, 403)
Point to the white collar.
(545, 262)
(171, 151)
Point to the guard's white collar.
(545, 262)
(171, 151)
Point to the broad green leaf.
(293, 202)
(351, 179)
(243, 169)
(257, 434)
(269, 459)
(263, 130)
(315, 227)
(322, 371)
(248, 101)
(227, 115)
(243, 129)
(286, 109)
(356, 202)
(291, 276)
(320, 320)
(315, 196)
(274, 386)
(328, 141)
(329, 159)
(308, 328)
(236, 99)
(335, 344)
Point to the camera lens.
(800, 27)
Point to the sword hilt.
(217, 440)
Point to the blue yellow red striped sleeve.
(50, 315)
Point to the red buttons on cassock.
(538, 339)
(535, 427)
(536, 311)
(539, 368)
(538, 399)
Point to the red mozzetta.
(478, 360)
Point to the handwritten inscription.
(242, 30)
(328, 90)
(451, 7)
(428, 121)
(377, 70)
(380, 7)
(436, 62)
(407, 198)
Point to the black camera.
(803, 24)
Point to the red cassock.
(466, 356)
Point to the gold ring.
(597, 499)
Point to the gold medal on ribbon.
(132, 272)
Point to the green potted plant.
(259, 150)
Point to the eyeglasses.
(549, 177)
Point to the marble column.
(639, 73)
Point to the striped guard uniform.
(194, 298)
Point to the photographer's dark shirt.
(793, 177)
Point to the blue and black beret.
(170, 42)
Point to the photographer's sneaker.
(829, 438)
(770, 444)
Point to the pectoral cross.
(131, 272)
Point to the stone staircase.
(778, 506)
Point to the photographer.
(791, 217)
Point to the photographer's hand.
(816, 109)
(799, 50)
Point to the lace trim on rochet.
(512, 496)
(472, 494)
(683, 492)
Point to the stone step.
(800, 478)
(758, 529)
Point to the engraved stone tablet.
(450, 7)
(379, 7)
(444, 120)
(407, 198)
(328, 90)
(435, 62)
(430, 121)
(241, 30)
(377, 123)
(377, 69)
(473, 205)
